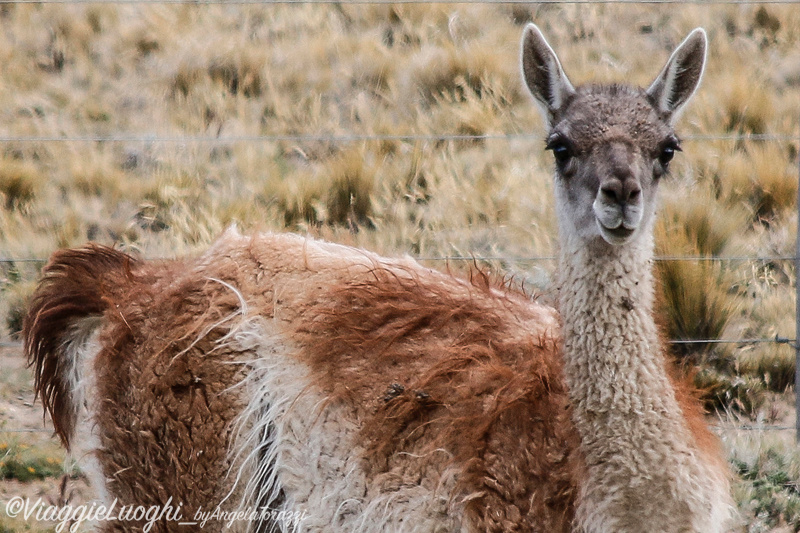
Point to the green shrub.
(770, 489)
(24, 463)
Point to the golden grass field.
(152, 128)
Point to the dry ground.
(24, 431)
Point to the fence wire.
(348, 138)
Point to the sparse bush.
(24, 463)
(773, 365)
(723, 392)
(770, 487)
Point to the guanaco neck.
(612, 351)
(638, 451)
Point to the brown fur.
(163, 417)
(472, 381)
(75, 284)
(163, 382)
(689, 399)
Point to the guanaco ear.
(542, 72)
(681, 75)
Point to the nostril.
(620, 191)
(610, 193)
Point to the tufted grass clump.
(694, 222)
(338, 190)
(240, 73)
(452, 72)
(20, 181)
(351, 178)
(95, 173)
(770, 315)
(761, 176)
(14, 305)
(222, 67)
(701, 298)
(697, 297)
(299, 200)
(745, 108)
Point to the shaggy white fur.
(81, 347)
(299, 452)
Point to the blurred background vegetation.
(153, 127)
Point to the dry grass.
(84, 70)
(19, 183)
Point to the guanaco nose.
(620, 186)
(621, 190)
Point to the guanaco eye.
(561, 148)
(667, 151)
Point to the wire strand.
(346, 138)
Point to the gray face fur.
(611, 143)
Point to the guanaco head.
(612, 143)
